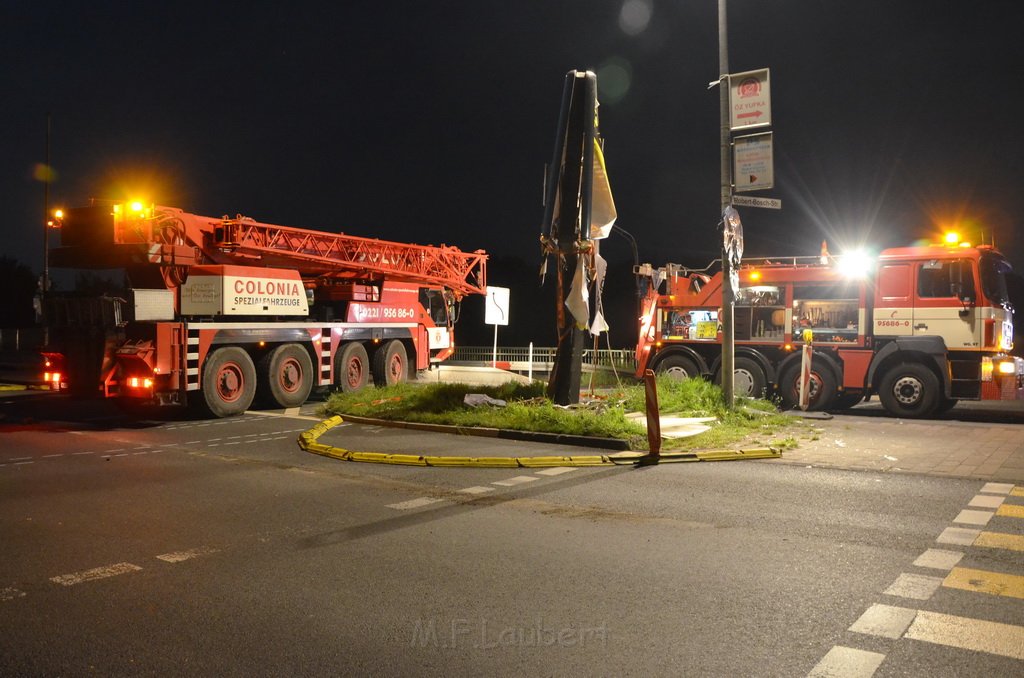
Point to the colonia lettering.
(267, 287)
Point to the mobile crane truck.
(921, 327)
(225, 311)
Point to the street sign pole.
(728, 293)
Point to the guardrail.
(518, 358)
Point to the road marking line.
(123, 454)
(939, 559)
(886, 621)
(916, 586)
(987, 501)
(168, 444)
(95, 573)
(21, 463)
(116, 449)
(143, 452)
(961, 536)
(968, 517)
(10, 594)
(997, 488)
(236, 442)
(51, 456)
(18, 458)
(1011, 510)
(181, 556)
(414, 503)
(981, 581)
(75, 454)
(1006, 640)
(476, 489)
(517, 480)
(1000, 540)
(192, 442)
(1018, 492)
(847, 662)
(556, 471)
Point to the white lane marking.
(123, 454)
(290, 415)
(916, 586)
(10, 594)
(517, 480)
(1005, 640)
(476, 489)
(51, 456)
(414, 503)
(987, 501)
(181, 556)
(939, 559)
(961, 536)
(236, 442)
(143, 452)
(214, 439)
(886, 621)
(192, 442)
(968, 517)
(997, 488)
(21, 463)
(556, 471)
(18, 458)
(76, 454)
(847, 662)
(95, 573)
(116, 449)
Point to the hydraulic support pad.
(308, 442)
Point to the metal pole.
(728, 293)
(46, 238)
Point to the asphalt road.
(190, 547)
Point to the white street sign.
(750, 102)
(750, 201)
(496, 308)
(753, 167)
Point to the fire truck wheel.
(229, 382)
(677, 367)
(285, 376)
(353, 370)
(823, 387)
(390, 364)
(909, 390)
(749, 380)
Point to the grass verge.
(750, 423)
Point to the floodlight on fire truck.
(856, 264)
(952, 238)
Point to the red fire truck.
(225, 311)
(921, 327)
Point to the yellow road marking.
(1011, 510)
(970, 634)
(1000, 540)
(982, 581)
(1017, 492)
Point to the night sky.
(431, 122)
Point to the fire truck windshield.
(994, 268)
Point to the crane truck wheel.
(749, 380)
(823, 387)
(390, 364)
(677, 367)
(353, 369)
(285, 376)
(909, 390)
(229, 382)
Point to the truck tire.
(823, 387)
(285, 376)
(390, 364)
(229, 382)
(909, 390)
(677, 367)
(353, 369)
(749, 380)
